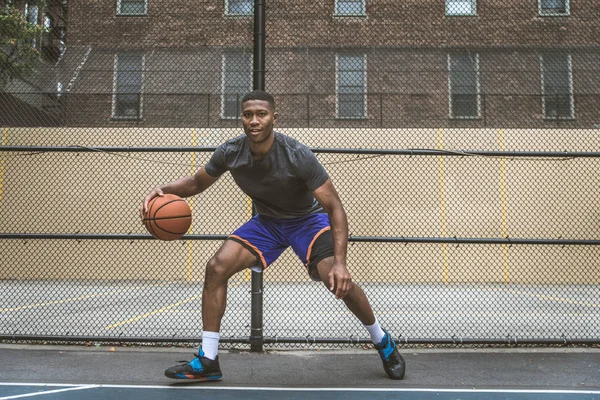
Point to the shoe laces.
(393, 358)
(186, 361)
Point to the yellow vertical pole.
(443, 205)
(189, 242)
(4, 140)
(503, 194)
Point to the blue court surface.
(101, 392)
(97, 373)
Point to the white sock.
(376, 332)
(210, 344)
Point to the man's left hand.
(340, 281)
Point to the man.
(296, 206)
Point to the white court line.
(284, 389)
(69, 388)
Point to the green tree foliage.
(18, 38)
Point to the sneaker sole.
(195, 377)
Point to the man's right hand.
(144, 207)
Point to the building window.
(557, 86)
(32, 16)
(48, 22)
(461, 7)
(237, 81)
(239, 7)
(553, 7)
(350, 7)
(351, 86)
(32, 13)
(128, 86)
(132, 7)
(463, 85)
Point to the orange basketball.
(168, 218)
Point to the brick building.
(334, 63)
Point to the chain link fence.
(462, 137)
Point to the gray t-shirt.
(281, 183)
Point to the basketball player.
(297, 205)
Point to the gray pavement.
(173, 309)
(510, 368)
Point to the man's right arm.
(183, 187)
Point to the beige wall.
(389, 195)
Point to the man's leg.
(231, 258)
(358, 304)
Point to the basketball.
(168, 218)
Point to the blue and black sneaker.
(201, 368)
(393, 363)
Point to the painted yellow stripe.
(50, 303)
(69, 300)
(153, 312)
(443, 205)
(4, 139)
(191, 230)
(248, 207)
(504, 214)
(161, 310)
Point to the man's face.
(258, 118)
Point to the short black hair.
(260, 95)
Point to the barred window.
(128, 85)
(32, 13)
(132, 7)
(461, 7)
(350, 7)
(557, 86)
(464, 85)
(237, 81)
(351, 86)
(553, 7)
(239, 7)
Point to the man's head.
(259, 95)
(258, 116)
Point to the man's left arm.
(340, 281)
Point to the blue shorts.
(267, 237)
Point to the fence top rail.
(32, 150)
(352, 238)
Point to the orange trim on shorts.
(313, 242)
(262, 259)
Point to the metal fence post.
(256, 324)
